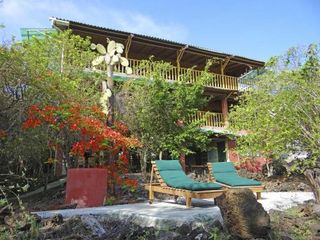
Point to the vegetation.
(281, 112)
(49, 114)
(48, 72)
(158, 112)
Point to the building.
(224, 87)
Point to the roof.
(27, 33)
(142, 47)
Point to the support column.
(128, 45)
(180, 53)
(224, 64)
(224, 106)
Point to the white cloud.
(35, 13)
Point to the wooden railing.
(210, 119)
(218, 81)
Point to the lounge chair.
(225, 174)
(168, 177)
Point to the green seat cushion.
(173, 175)
(225, 172)
(235, 180)
(222, 167)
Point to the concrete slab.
(167, 214)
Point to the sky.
(255, 29)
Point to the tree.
(49, 71)
(281, 112)
(158, 112)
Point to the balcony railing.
(218, 81)
(210, 119)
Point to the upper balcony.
(227, 68)
(218, 81)
(210, 120)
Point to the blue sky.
(252, 28)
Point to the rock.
(57, 219)
(92, 223)
(315, 228)
(165, 235)
(68, 206)
(243, 215)
(37, 218)
(286, 237)
(198, 234)
(302, 187)
(216, 224)
(184, 229)
(316, 210)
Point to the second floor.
(226, 69)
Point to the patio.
(167, 214)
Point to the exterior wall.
(232, 154)
(253, 164)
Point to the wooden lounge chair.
(168, 177)
(226, 174)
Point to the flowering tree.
(90, 133)
(44, 83)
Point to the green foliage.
(281, 111)
(217, 234)
(293, 229)
(18, 217)
(49, 71)
(158, 112)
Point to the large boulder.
(243, 215)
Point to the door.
(217, 152)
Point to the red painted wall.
(233, 156)
(86, 186)
(252, 165)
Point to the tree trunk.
(111, 98)
(160, 155)
(143, 163)
(269, 169)
(313, 176)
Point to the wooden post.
(258, 195)
(224, 64)
(188, 200)
(151, 193)
(128, 45)
(224, 106)
(180, 53)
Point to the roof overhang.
(142, 47)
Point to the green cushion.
(173, 175)
(235, 180)
(221, 167)
(225, 172)
(164, 165)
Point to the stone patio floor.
(164, 214)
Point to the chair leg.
(188, 202)
(258, 195)
(151, 195)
